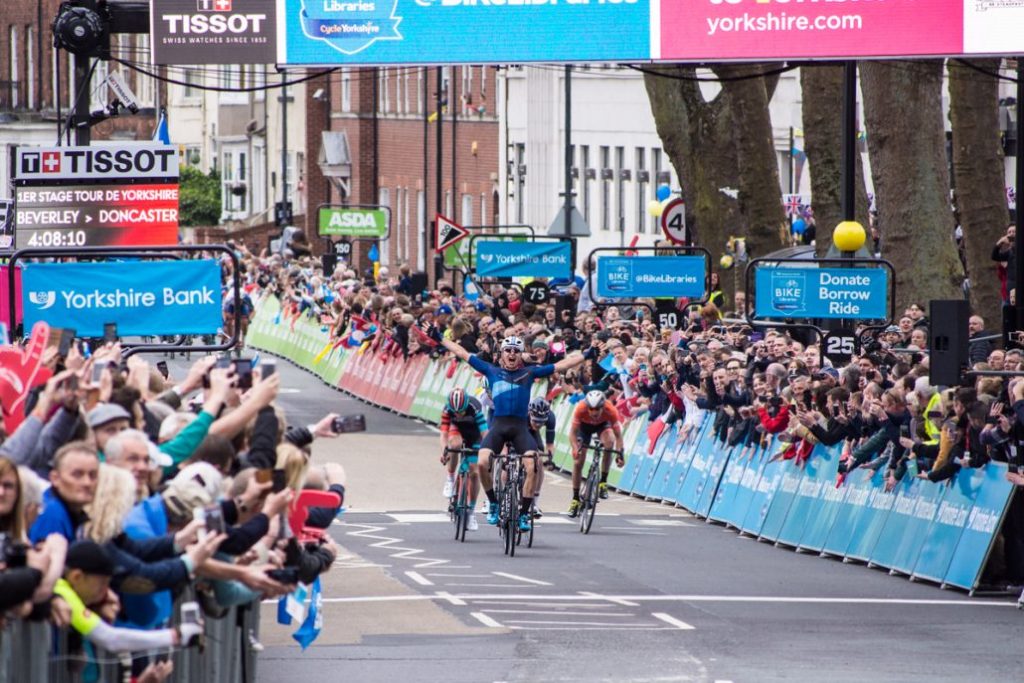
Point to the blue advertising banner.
(720, 457)
(748, 484)
(330, 32)
(782, 500)
(768, 484)
(983, 522)
(817, 529)
(861, 293)
(870, 524)
(819, 477)
(631, 277)
(645, 477)
(950, 519)
(142, 298)
(496, 258)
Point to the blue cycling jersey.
(510, 389)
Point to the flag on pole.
(162, 133)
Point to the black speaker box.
(947, 342)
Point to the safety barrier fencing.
(939, 532)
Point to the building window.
(655, 174)
(144, 85)
(585, 180)
(420, 75)
(385, 244)
(193, 78)
(606, 189)
(383, 97)
(231, 76)
(54, 77)
(448, 208)
(467, 90)
(520, 180)
(13, 66)
(641, 190)
(484, 220)
(467, 210)
(346, 88)
(234, 182)
(98, 97)
(421, 218)
(620, 189)
(406, 233)
(30, 67)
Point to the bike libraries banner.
(856, 293)
(141, 298)
(633, 277)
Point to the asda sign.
(354, 221)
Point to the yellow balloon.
(655, 208)
(849, 236)
(725, 261)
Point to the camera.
(287, 575)
(14, 552)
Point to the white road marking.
(449, 598)
(624, 603)
(554, 519)
(458, 576)
(557, 614)
(669, 619)
(485, 620)
(419, 578)
(616, 627)
(660, 522)
(567, 623)
(516, 577)
(625, 599)
(390, 543)
(528, 603)
(485, 585)
(419, 517)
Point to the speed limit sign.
(673, 222)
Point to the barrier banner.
(723, 505)
(983, 523)
(747, 488)
(820, 522)
(142, 298)
(783, 498)
(819, 473)
(635, 430)
(858, 486)
(767, 486)
(634, 461)
(651, 461)
(915, 528)
(869, 526)
(688, 494)
(683, 461)
(720, 458)
(950, 519)
(679, 448)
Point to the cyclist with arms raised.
(509, 383)
(595, 414)
(462, 426)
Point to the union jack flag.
(792, 203)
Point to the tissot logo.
(30, 162)
(43, 300)
(51, 162)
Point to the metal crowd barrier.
(35, 652)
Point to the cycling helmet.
(594, 399)
(457, 401)
(512, 342)
(539, 409)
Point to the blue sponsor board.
(783, 499)
(328, 32)
(684, 457)
(854, 293)
(496, 258)
(723, 507)
(747, 488)
(767, 486)
(983, 522)
(632, 277)
(950, 519)
(832, 497)
(819, 477)
(142, 298)
(720, 457)
(649, 465)
(690, 490)
(869, 525)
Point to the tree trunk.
(760, 196)
(697, 136)
(907, 143)
(822, 111)
(980, 178)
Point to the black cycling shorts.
(513, 430)
(585, 432)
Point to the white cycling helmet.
(594, 399)
(512, 342)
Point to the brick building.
(34, 76)
(388, 118)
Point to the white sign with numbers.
(673, 222)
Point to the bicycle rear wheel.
(462, 511)
(591, 500)
(512, 533)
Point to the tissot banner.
(213, 31)
(853, 293)
(326, 32)
(141, 297)
(631, 277)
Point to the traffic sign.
(667, 314)
(447, 233)
(673, 222)
(840, 346)
(536, 292)
(343, 248)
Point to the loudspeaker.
(418, 282)
(330, 262)
(947, 343)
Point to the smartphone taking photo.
(347, 424)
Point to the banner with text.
(857, 293)
(142, 298)
(496, 259)
(329, 32)
(632, 277)
(353, 221)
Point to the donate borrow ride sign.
(496, 258)
(143, 298)
(631, 277)
(822, 293)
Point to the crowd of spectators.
(124, 493)
(755, 382)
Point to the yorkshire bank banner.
(328, 32)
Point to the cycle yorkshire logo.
(486, 258)
(43, 300)
(350, 26)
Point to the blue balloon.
(664, 192)
(799, 226)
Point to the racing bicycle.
(590, 488)
(458, 505)
(509, 477)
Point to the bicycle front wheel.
(462, 511)
(512, 532)
(590, 510)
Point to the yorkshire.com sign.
(143, 298)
